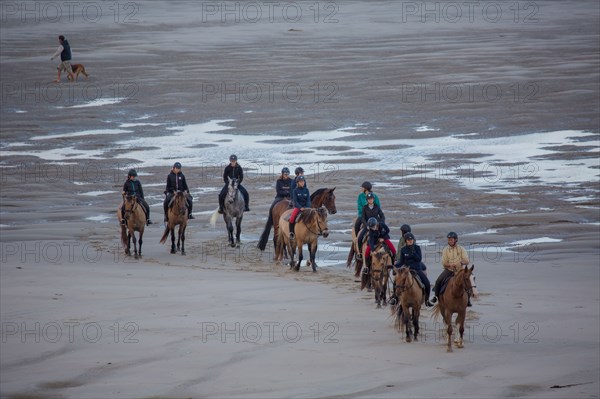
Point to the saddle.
(444, 284)
(418, 279)
(298, 217)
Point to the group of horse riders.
(371, 222)
(176, 182)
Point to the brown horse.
(411, 296)
(309, 227)
(177, 215)
(321, 197)
(136, 221)
(355, 250)
(380, 265)
(454, 300)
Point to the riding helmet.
(370, 195)
(372, 222)
(177, 165)
(452, 235)
(367, 186)
(300, 178)
(298, 170)
(233, 157)
(132, 172)
(409, 236)
(405, 229)
(285, 170)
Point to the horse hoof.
(136, 256)
(183, 253)
(408, 339)
(173, 251)
(449, 350)
(378, 306)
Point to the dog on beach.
(77, 69)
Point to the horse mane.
(318, 193)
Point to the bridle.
(404, 287)
(320, 233)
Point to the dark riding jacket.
(301, 197)
(233, 172)
(374, 235)
(176, 182)
(411, 257)
(295, 183)
(133, 188)
(376, 213)
(283, 187)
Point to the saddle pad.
(418, 279)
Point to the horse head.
(232, 190)
(466, 279)
(329, 200)
(322, 221)
(130, 202)
(180, 203)
(404, 279)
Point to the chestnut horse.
(177, 215)
(411, 296)
(380, 265)
(311, 225)
(454, 300)
(136, 221)
(323, 196)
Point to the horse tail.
(165, 235)
(124, 239)
(264, 237)
(213, 218)
(436, 311)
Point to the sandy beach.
(475, 118)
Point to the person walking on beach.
(64, 50)
(176, 182)
(233, 171)
(454, 257)
(132, 186)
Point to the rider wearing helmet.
(454, 258)
(370, 210)
(176, 182)
(300, 200)
(378, 232)
(233, 171)
(410, 256)
(403, 230)
(283, 188)
(299, 171)
(132, 186)
(361, 201)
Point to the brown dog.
(77, 69)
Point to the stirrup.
(292, 236)
(148, 222)
(220, 211)
(123, 221)
(190, 216)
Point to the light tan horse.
(177, 215)
(355, 250)
(411, 297)
(309, 227)
(454, 300)
(136, 221)
(380, 266)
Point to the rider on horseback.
(176, 182)
(410, 256)
(133, 186)
(299, 171)
(300, 201)
(370, 210)
(361, 201)
(378, 232)
(454, 258)
(233, 171)
(403, 230)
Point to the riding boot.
(221, 202)
(247, 205)
(292, 233)
(189, 202)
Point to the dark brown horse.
(321, 197)
(136, 221)
(411, 296)
(177, 215)
(311, 225)
(454, 300)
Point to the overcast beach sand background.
(483, 122)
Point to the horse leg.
(238, 226)
(140, 241)
(350, 257)
(406, 319)
(229, 222)
(300, 257)
(416, 314)
(449, 331)
(135, 249)
(173, 240)
(182, 234)
(313, 256)
(460, 323)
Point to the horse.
(233, 207)
(136, 221)
(411, 295)
(381, 261)
(454, 300)
(321, 197)
(355, 250)
(177, 215)
(311, 225)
